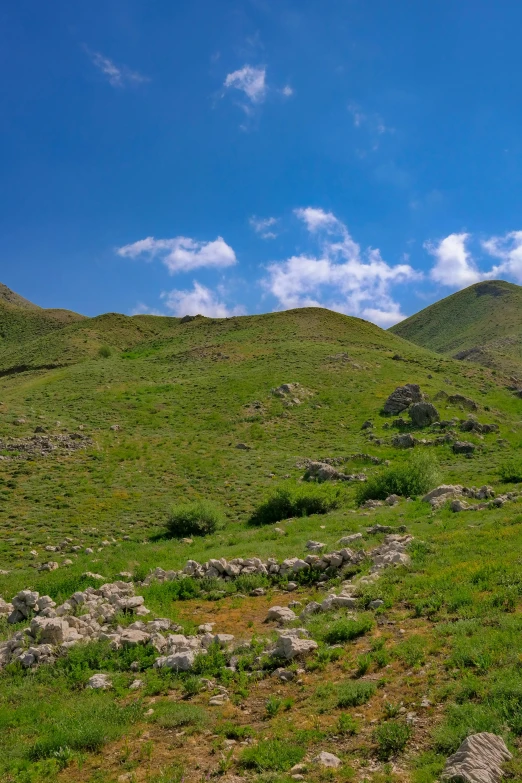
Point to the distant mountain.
(21, 320)
(482, 324)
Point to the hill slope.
(21, 320)
(158, 418)
(482, 323)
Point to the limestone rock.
(478, 760)
(289, 647)
(325, 759)
(99, 682)
(281, 614)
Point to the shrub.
(194, 519)
(511, 471)
(391, 738)
(104, 352)
(414, 477)
(272, 755)
(299, 501)
(353, 694)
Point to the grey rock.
(463, 447)
(281, 614)
(325, 759)
(478, 760)
(289, 647)
(400, 399)
(423, 414)
(99, 682)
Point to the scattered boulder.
(464, 402)
(478, 760)
(423, 414)
(463, 447)
(322, 471)
(401, 399)
(289, 647)
(404, 441)
(99, 682)
(281, 614)
(325, 759)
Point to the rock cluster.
(322, 471)
(456, 492)
(478, 760)
(291, 393)
(422, 414)
(43, 445)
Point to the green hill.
(107, 423)
(482, 324)
(21, 320)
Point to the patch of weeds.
(391, 738)
(192, 685)
(364, 662)
(172, 714)
(346, 725)
(346, 630)
(234, 731)
(296, 501)
(510, 471)
(427, 767)
(272, 756)
(353, 693)
(411, 651)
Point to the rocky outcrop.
(463, 447)
(404, 441)
(401, 399)
(478, 760)
(321, 471)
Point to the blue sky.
(243, 156)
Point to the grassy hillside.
(482, 323)
(21, 320)
(160, 407)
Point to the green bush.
(104, 352)
(194, 519)
(391, 738)
(416, 476)
(296, 501)
(511, 471)
(353, 694)
(172, 714)
(272, 755)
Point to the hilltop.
(482, 324)
(21, 320)
(407, 644)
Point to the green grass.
(183, 397)
(353, 694)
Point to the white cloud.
(198, 301)
(287, 91)
(182, 254)
(117, 76)
(250, 80)
(317, 219)
(341, 277)
(454, 266)
(262, 226)
(509, 250)
(143, 309)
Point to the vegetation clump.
(414, 477)
(199, 518)
(300, 501)
(511, 471)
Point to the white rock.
(325, 759)
(99, 682)
(281, 614)
(478, 760)
(289, 647)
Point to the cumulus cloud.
(249, 80)
(116, 75)
(182, 254)
(287, 91)
(317, 219)
(454, 265)
(509, 250)
(340, 277)
(264, 226)
(198, 301)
